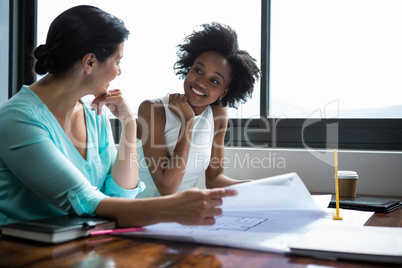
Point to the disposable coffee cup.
(347, 181)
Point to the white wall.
(380, 172)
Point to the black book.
(56, 229)
(366, 203)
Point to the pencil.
(337, 215)
(116, 231)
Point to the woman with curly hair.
(182, 135)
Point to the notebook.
(360, 243)
(56, 229)
(367, 203)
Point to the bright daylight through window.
(336, 59)
(156, 28)
(328, 59)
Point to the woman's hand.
(116, 103)
(196, 206)
(190, 207)
(125, 169)
(179, 106)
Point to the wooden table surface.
(113, 251)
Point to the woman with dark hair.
(182, 135)
(57, 154)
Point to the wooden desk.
(112, 251)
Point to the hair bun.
(45, 63)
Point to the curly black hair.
(222, 39)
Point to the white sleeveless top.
(200, 149)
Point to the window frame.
(365, 134)
(22, 41)
(4, 50)
(357, 134)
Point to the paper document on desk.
(367, 243)
(267, 215)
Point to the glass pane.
(336, 59)
(156, 28)
(4, 33)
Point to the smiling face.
(208, 79)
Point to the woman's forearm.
(125, 168)
(190, 207)
(168, 181)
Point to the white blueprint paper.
(267, 215)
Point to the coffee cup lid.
(347, 174)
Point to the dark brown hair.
(76, 32)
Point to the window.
(273, 127)
(156, 28)
(321, 125)
(344, 57)
(4, 30)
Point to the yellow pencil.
(337, 215)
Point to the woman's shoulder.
(150, 112)
(219, 111)
(24, 102)
(220, 116)
(150, 106)
(24, 97)
(26, 115)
